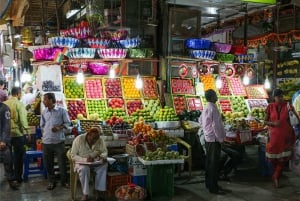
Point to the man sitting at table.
(90, 147)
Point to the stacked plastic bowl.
(203, 54)
(197, 44)
(130, 43)
(98, 68)
(80, 53)
(64, 42)
(98, 42)
(112, 53)
(45, 53)
(221, 47)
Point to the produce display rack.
(183, 86)
(86, 87)
(194, 103)
(97, 109)
(256, 92)
(153, 92)
(179, 103)
(128, 85)
(237, 87)
(256, 103)
(129, 102)
(119, 95)
(209, 82)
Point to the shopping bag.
(295, 161)
(293, 117)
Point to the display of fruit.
(133, 105)
(149, 88)
(290, 86)
(257, 103)
(258, 113)
(208, 82)
(237, 86)
(32, 119)
(166, 114)
(194, 104)
(229, 117)
(114, 120)
(238, 104)
(239, 124)
(159, 154)
(115, 103)
(255, 125)
(118, 112)
(256, 91)
(96, 109)
(182, 86)
(152, 105)
(76, 109)
(129, 89)
(224, 90)
(73, 89)
(179, 104)
(113, 87)
(225, 105)
(143, 113)
(93, 88)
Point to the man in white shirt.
(28, 98)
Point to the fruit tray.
(179, 104)
(112, 87)
(86, 124)
(129, 89)
(93, 88)
(208, 82)
(96, 109)
(149, 87)
(133, 105)
(194, 103)
(224, 90)
(182, 86)
(237, 87)
(161, 162)
(256, 91)
(76, 109)
(72, 89)
(238, 104)
(115, 103)
(225, 105)
(256, 103)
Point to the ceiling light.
(138, 82)
(219, 82)
(80, 76)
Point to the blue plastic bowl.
(130, 43)
(197, 43)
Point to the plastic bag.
(295, 161)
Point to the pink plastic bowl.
(45, 53)
(98, 68)
(239, 49)
(221, 47)
(112, 53)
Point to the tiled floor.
(246, 185)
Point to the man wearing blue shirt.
(53, 120)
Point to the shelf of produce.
(238, 104)
(93, 88)
(72, 89)
(225, 104)
(194, 103)
(237, 87)
(129, 89)
(179, 103)
(256, 92)
(133, 105)
(112, 87)
(96, 108)
(153, 105)
(224, 90)
(256, 103)
(116, 103)
(76, 108)
(149, 87)
(182, 86)
(161, 162)
(208, 82)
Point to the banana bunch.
(288, 63)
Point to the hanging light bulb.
(219, 82)
(246, 80)
(138, 82)
(25, 77)
(17, 83)
(80, 76)
(112, 72)
(267, 83)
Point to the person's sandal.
(51, 186)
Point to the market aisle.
(246, 185)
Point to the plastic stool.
(37, 169)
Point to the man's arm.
(23, 117)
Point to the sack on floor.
(295, 161)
